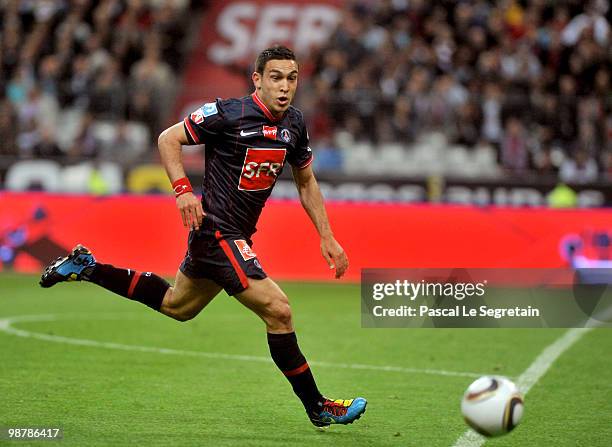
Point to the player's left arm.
(312, 201)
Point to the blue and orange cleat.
(74, 267)
(339, 411)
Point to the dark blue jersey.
(246, 150)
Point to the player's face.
(276, 86)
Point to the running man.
(248, 142)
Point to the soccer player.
(248, 142)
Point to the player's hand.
(191, 210)
(334, 255)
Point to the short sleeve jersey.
(246, 151)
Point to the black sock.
(147, 288)
(290, 360)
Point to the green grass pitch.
(212, 385)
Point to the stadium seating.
(34, 174)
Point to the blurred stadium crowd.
(87, 79)
(529, 81)
(407, 87)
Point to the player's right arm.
(170, 144)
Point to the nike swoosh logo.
(246, 134)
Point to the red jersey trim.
(307, 163)
(264, 108)
(192, 134)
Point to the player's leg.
(182, 302)
(269, 302)
(238, 270)
(188, 296)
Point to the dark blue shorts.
(225, 259)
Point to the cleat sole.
(50, 277)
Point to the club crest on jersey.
(245, 251)
(260, 168)
(270, 132)
(197, 116)
(285, 135)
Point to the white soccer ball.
(492, 405)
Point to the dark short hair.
(279, 52)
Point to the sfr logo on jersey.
(260, 168)
(270, 132)
(244, 249)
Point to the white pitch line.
(530, 376)
(6, 325)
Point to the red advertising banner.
(233, 32)
(145, 233)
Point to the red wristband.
(181, 186)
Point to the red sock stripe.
(133, 283)
(230, 254)
(296, 371)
